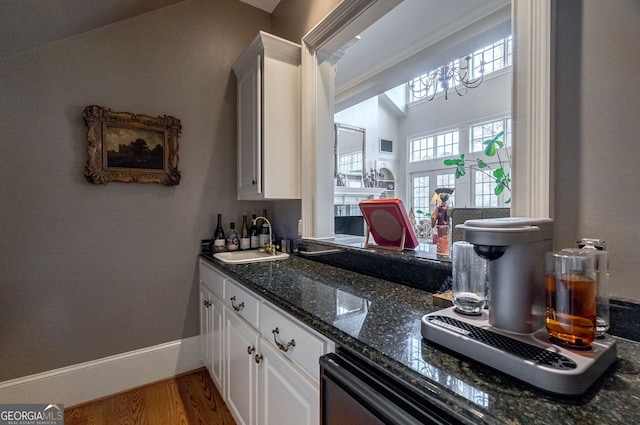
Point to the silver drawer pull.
(281, 346)
(236, 307)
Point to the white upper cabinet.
(269, 86)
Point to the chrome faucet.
(269, 248)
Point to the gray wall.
(88, 271)
(597, 149)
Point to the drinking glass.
(469, 279)
(570, 291)
(596, 248)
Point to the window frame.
(455, 145)
(506, 127)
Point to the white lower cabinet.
(264, 362)
(242, 344)
(285, 396)
(211, 322)
(211, 334)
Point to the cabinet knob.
(250, 350)
(206, 303)
(253, 182)
(236, 307)
(281, 346)
(258, 358)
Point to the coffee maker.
(510, 334)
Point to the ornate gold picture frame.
(129, 148)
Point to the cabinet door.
(216, 322)
(249, 133)
(205, 327)
(286, 396)
(280, 129)
(241, 368)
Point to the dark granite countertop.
(381, 321)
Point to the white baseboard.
(95, 379)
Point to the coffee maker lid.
(520, 223)
(507, 230)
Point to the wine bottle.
(233, 240)
(254, 234)
(264, 230)
(219, 241)
(245, 241)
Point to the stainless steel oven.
(356, 393)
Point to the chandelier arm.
(444, 77)
(472, 84)
(460, 91)
(432, 84)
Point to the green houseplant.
(491, 149)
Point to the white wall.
(378, 121)
(491, 100)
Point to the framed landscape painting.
(128, 147)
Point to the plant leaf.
(459, 164)
(482, 164)
(490, 148)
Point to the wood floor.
(187, 399)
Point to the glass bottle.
(245, 241)
(441, 221)
(597, 248)
(233, 240)
(219, 240)
(442, 242)
(254, 234)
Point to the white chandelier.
(447, 76)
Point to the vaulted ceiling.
(26, 24)
(412, 27)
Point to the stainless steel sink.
(254, 256)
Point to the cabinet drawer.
(210, 278)
(308, 347)
(242, 302)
